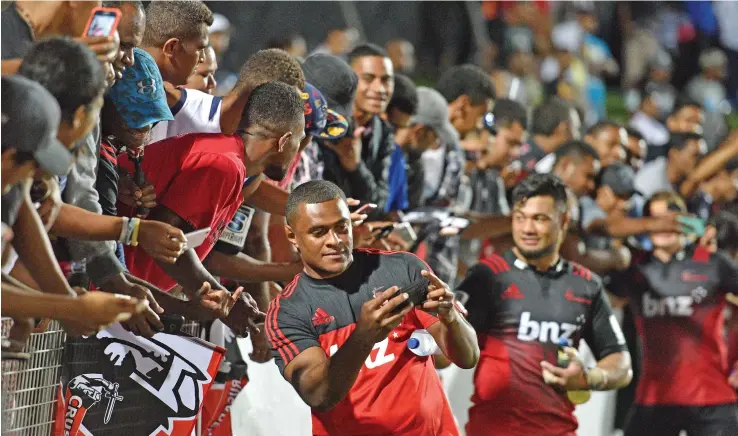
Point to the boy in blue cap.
(132, 107)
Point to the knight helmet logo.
(163, 380)
(83, 393)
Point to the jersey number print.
(381, 357)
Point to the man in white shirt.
(197, 111)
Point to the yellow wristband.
(134, 237)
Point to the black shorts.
(720, 420)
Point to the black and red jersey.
(396, 392)
(679, 308)
(520, 315)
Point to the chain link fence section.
(30, 388)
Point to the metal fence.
(30, 388)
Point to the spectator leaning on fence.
(72, 74)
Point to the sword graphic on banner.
(113, 396)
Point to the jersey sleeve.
(473, 293)
(201, 114)
(289, 333)
(206, 184)
(602, 331)
(415, 266)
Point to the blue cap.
(320, 121)
(413, 343)
(139, 96)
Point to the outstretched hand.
(244, 316)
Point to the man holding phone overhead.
(339, 331)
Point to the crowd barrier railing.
(30, 388)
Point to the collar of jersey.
(555, 269)
(679, 256)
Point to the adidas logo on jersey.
(667, 306)
(321, 317)
(512, 293)
(544, 331)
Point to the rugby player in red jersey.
(336, 335)
(522, 304)
(678, 296)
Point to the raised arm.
(34, 249)
(269, 198)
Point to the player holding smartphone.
(338, 339)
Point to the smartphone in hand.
(406, 232)
(103, 22)
(383, 232)
(365, 208)
(417, 293)
(691, 225)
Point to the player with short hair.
(522, 304)
(339, 333)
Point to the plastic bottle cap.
(413, 343)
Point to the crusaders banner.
(120, 384)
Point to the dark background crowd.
(439, 108)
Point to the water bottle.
(421, 343)
(562, 361)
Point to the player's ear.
(169, 47)
(283, 140)
(568, 168)
(291, 236)
(565, 219)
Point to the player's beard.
(536, 254)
